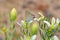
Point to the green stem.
(11, 29)
(5, 36)
(12, 25)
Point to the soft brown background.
(7, 5)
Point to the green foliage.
(29, 29)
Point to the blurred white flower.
(33, 37)
(31, 21)
(57, 21)
(54, 22)
(47, 23)
(56, 38)
(36, 19)
(21, 23)
(39, 19)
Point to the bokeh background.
(49, 8)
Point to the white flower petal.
(35, 19)
(53, 21)
(22, 21)
(47, 23)
(40, 13)
(31, 21)
(38, 19)
(57, 21)
(56, 38)
(33, 37)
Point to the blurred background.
(50, 8)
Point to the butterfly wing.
(29, 16)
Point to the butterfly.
(29, 16)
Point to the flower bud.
(42, 18)
(13, 14)
(34, 28)
(4, 29)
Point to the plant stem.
(5, 36)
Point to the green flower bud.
(42, 18)
(34, 28)
(52, 27)
(13, 14)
